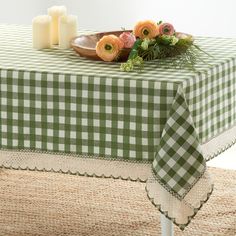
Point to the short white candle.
(67, 30)
(41, 27)
(56, 12)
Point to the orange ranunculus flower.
(146, 29)
(108, 47)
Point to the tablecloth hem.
(74, 164)
(222, 141)
(77, 155)
(179, 211)
(181, 226)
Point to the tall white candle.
(56, 12)
(67, 30)
(41, 27)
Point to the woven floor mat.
(53, 204)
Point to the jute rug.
(53, 204)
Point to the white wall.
(19, 11)
(199, 17)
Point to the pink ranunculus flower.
(166, 29)
(128, 39)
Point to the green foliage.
(135, 49)
(182, 52)
(163, 47)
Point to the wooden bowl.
(85, 45)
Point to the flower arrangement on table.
(149, 41)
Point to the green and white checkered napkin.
(54, 101)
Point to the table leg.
(167, 227)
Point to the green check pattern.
(53, 100)
(179, 161)
(87, 115)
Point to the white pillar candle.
(67, 30)
(41, 27)
(56, 12)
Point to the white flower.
(145, 44)
(174, 40)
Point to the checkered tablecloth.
(54, 101)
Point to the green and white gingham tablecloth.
(173, 120)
